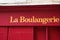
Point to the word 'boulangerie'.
(33, 19)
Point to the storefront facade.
(30, 22)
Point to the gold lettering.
(22, 19)
(11, 19)
(44, 20)
(34, 19)
(15, 20)
(56, 19)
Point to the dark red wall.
(29, 31)
(28, 11)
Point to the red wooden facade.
(29, 31)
